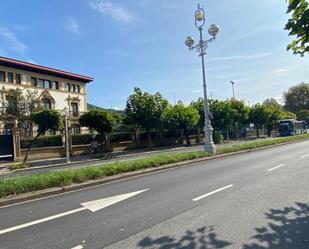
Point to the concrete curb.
(58, 190)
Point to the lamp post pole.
(201, 49)
(66, 136)
(233, 83)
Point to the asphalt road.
(256, 200)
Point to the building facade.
(56, 89)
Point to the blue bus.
(290, 127)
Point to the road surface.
(255, 200)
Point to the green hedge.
(28, 183)
(44, 141)
(80, 139)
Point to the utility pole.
(66, 133)
(233, 83)
(175, 98)
(201, 49)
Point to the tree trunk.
(257, 131)
(235, 131)
(29, 147)
(149, 140)
(188, 142)
(198, 139)
(102, 142)
(227, 135)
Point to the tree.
(21, 104)
(241, 114)
(297, 98)
(144, 110)
(303, 115)
(258, 116)
(182, 117)
(100, 121)
(273, 103)
(298, 25)
(45, 120)
(223, 115)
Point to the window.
(47, 104)
(34, 81)
(73, 88)
(47, 84)
(41, 83)
(75, 129)
(18, 78)
(74, 109)
(2, 76)
(67, 87)
(10, 77)
(55, 85)
(77, 90)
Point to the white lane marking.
(279, 166)
(213, 192)
(93, 206)
(78, 247)
(304, 156)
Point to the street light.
(66, 134)
(233, 83)
(201, 49)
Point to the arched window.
(47, 104)
(73, 88)
(67, 87)
(77, 89)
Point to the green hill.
(91, 107)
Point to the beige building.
(57, 89)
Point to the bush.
(29, 183)
(46, 141)
(117, 137)
(218, 137)
(80, 139)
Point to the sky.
(128, 43)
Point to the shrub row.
(23, 184)
(46, 141)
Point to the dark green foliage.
(46, 141)
(297, 98)
(298, 25)
(182, 117)
(258, 116)
(100, 121)
(47, 120)
(144, 110)
(303, 115)
(217, 137)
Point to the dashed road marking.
(277, 167)
(213, 192)
(305, 156)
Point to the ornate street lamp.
(201, 49)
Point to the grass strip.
(29, 183)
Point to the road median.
(22, 188)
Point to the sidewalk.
(56, 164)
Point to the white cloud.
(72, 25)
(241, 57)
(115, 11)
(279, 71)
(13, 42)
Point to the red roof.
(8, 62)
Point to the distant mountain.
(91, 107)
